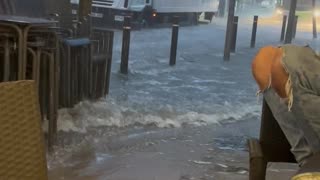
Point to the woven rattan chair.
(22, 149)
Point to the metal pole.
(234, 34)
(292, 13)
(254, 31)
(174, 41)
(295, 27)
(227, 46)
(125, 45)
(284, 25)
(314, 20)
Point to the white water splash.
(106, 113)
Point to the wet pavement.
(145, 153)
(185, 122)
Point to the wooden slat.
(258, 164)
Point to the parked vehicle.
(149, 12)
(268, 3)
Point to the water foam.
(213, 81)
(108, 113)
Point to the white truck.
(112, 12)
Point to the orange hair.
(268, 71)
(279, 76)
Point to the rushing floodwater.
(201, 90)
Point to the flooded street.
(144, 153)
(188, 122)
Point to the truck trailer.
(149, 12)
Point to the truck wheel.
(209, 16)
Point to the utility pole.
(292, 16)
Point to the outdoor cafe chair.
(22, 147)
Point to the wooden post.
(314, 20)
(110, 50)
(227, 46)
(254, 32)
(257, 162)
(234, 34)
(295, 27)
(174, 41)
(126, 3)
(284, 26)
(125, 45)
(68, 77)
(50, 95)
(292, 13)
(6, 70)
(56, 81)
(221, 8)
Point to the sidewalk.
(281, 171)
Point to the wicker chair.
(22, 147)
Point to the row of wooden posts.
(126, 43)
(287, 33)
(232, 39)
(234, 34)
(284, 29)
(231, 46)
